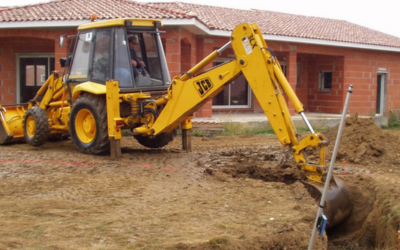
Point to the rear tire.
(158, 141)
(88, 124)
(36, 126)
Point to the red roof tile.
(282, 24)
(215, 18)
(82, 9)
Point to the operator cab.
(104, 50)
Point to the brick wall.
(302, 87)
(361, 70)
(326, 101)
(350, 66)
(184, 49)
(9, 48)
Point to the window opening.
(380, 93)
(325, 81)
(235, 95)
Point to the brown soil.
(237, 192)
(371, 158)
(364, 143)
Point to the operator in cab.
(137, 64)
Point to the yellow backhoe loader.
(104, 91)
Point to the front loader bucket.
(338, 204)
(11, 125)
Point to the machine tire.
(3, 135)
(88, 124)
(157, 141)
(36, 126)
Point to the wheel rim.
(30, 126)
(85, 126)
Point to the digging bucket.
(338, 204)
(11, 125)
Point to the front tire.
(36, 126)
(88, 124)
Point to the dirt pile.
(365, 143)
(268, 164)
(374, 154)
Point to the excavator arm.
(263, 72)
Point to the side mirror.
(64, 62)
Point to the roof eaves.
(330, 43)
(43, 24)
(199, 27)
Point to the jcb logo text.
(203, 86)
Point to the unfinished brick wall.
(9, 48)
(326, 101)
(302, 86)
(361, 70)
(349, 66)
(183, 49)
(393, 89)
(7, 74)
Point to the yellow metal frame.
(113, 112)
(89, 87)
(119, 22)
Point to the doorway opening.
(33, 73)
(381, 94)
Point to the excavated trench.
(374, 221)
(364, 228)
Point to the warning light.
(93, 17)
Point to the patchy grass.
(233, 128)
(392, 125)
(236, 128)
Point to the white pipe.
(328, 178)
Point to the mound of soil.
(268, 164)
(363, 142)
(374, 154)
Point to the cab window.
(122, 62)
(101, 56)
(80, 63)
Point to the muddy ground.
(236, 192)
